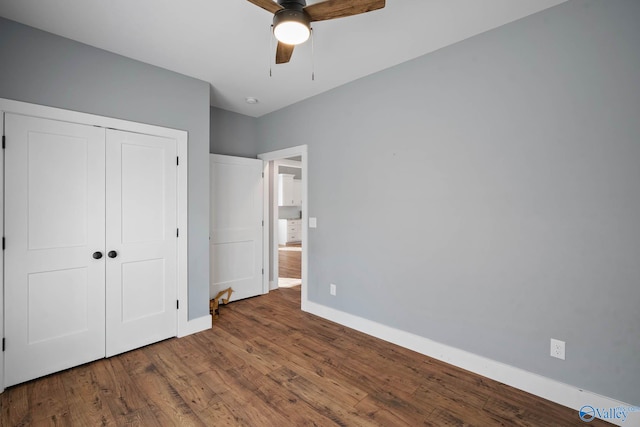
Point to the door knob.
(97, 255)
(112, 254)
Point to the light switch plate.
(313, 222)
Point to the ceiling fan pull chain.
(270, 48)
(313, 64)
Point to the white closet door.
(54, 222)
(141, 240)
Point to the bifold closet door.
(55, 239)
(141, 240)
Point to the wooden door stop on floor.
(214, 304)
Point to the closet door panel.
(141, 232)
(54, 222)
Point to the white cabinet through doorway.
(91, 230)
(289, 190)
(297, 192)
(289, 231)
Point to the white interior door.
(236, 226)
(141, 240)
(54, 223)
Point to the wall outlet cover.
(557, 349)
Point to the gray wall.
(233, 134)
(42, 68)
(514, 157)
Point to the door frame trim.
(302, 151)
(2, 257)
(184, 326)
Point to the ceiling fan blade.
(332, 9)
(283, 53)
(268, 5)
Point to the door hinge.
(177, 232)
(177, 304)
(177, 161)
(4, 142)
(4, 345)
(263, 271)
(3, 243)
(263, 222)
(262, 172)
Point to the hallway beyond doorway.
(289, 265)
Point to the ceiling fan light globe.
(292, 25)
(291, 32)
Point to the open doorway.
(286, 218)
(288, 192)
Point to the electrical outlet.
(332, 289)
(557, 348)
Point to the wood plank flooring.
(290, 265)
(266, 363)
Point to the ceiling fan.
(292, 19)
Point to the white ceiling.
(228, 43)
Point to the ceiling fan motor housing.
(300, 4)
(293, 10)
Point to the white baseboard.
(552, 390)
(195, 325)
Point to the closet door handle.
(112, 254)
(97, 255)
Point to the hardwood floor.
(289, 265)
(266, 363)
